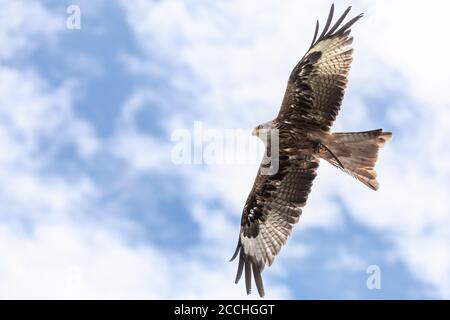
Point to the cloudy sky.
(93, 205)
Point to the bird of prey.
(312, 100)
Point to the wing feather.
(248, 276)
(327, 25)
(269, 216)
(258, 279)
(240, 270)
(316, 85)
(338, 22)
(315, 34)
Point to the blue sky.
(93, 206)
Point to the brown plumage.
(311, 103)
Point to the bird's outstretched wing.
(271, 210)
(312, 101)
(316, 86)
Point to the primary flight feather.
(310, 105)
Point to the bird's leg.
(323, 149)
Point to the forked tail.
(355, 153)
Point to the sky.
(95, 202)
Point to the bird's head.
(263, 131)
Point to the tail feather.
(357, 153)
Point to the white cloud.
(347, 261)
(69, 261)
(141, 151)
(35, 122)
(24, 25)
(33, 111)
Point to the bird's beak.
(255, 132)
